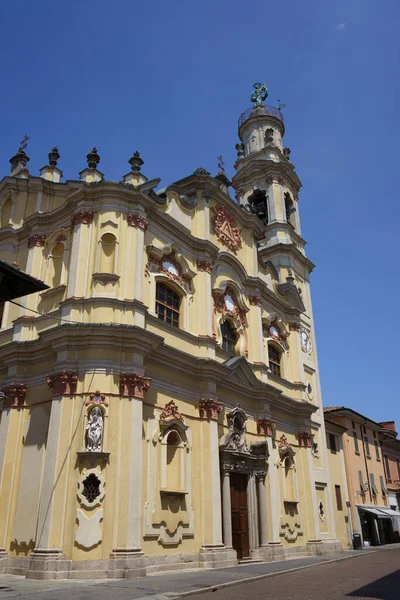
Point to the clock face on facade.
(306, 344)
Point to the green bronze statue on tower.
(260, 93)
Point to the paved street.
(365, 574)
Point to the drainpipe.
(365, 460)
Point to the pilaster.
(205, 306)
(79, 280)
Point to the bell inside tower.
(258, 204)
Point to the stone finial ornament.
(136, 162)
(260, 93)
(53, 156)
(19, 162)
(93, 159)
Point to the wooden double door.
(240, 515)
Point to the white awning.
(390, 513)
(374, 511)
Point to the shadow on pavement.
(386, 588)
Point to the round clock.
(306, 344)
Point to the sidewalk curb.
(220, 586)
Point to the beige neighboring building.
(337, 469)
(371, 514)
(162, 398)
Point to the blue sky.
(171, 79)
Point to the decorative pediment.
(291, 295)
(169, 261)
(240, 370)
(228, 302)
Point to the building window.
(339, 504)
(258, 203)
(377, 450)
(387, 468)
(91, 488)
(167, 305)
(383, 488)
(173, 461)
(362, 485)
(373, 486)
(353, 425)
(355, 438)
(398, 467)
(6, 213)
(332, 443)
(274, 357)
(289, 209)
(229, 337)
(374, 433)
(367, 451)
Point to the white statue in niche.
(94, 430)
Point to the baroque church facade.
(162, 404)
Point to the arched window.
(229, 337)
(289, 209)
(274, 356)
(259, 205)
(167, 304)
(107, 253)
(173, 461)
(6, 212)
(56, 265)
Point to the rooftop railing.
(269, 110)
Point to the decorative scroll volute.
(63, 384)
(133, 385)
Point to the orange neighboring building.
(391, 462)
(371, 513)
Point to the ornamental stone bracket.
(97, 398)
(135, 220)
(225, 227)
(14, 395)
(82, 217)
(265, 427)
(63, 384)
(36, 240)
(132, 385)
(209, 409)
(305, 439)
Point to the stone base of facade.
(124, 563)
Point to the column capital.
(133, 385)
(63, 383)
(255, 300)
(305, 439)
(84, 217)
(137, 221)
(36, 240)
(205, 265)
(294, 326)
(265, 426)
(14, 395)
(209, 408)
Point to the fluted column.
(226, 509)
(262, 509)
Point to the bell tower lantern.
(265, 180)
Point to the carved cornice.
(133, 385)
(14, 395)
(205, 265)
(255, 300)
(265, 427)
(137, 221)
(225, 228)
(82, 217)
(36, 240)
(209, 408)
(170, 411)
(63, 384)
(305, 439)
(97, 398)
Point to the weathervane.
(221, 164)
(260, 93)
(24, 143)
